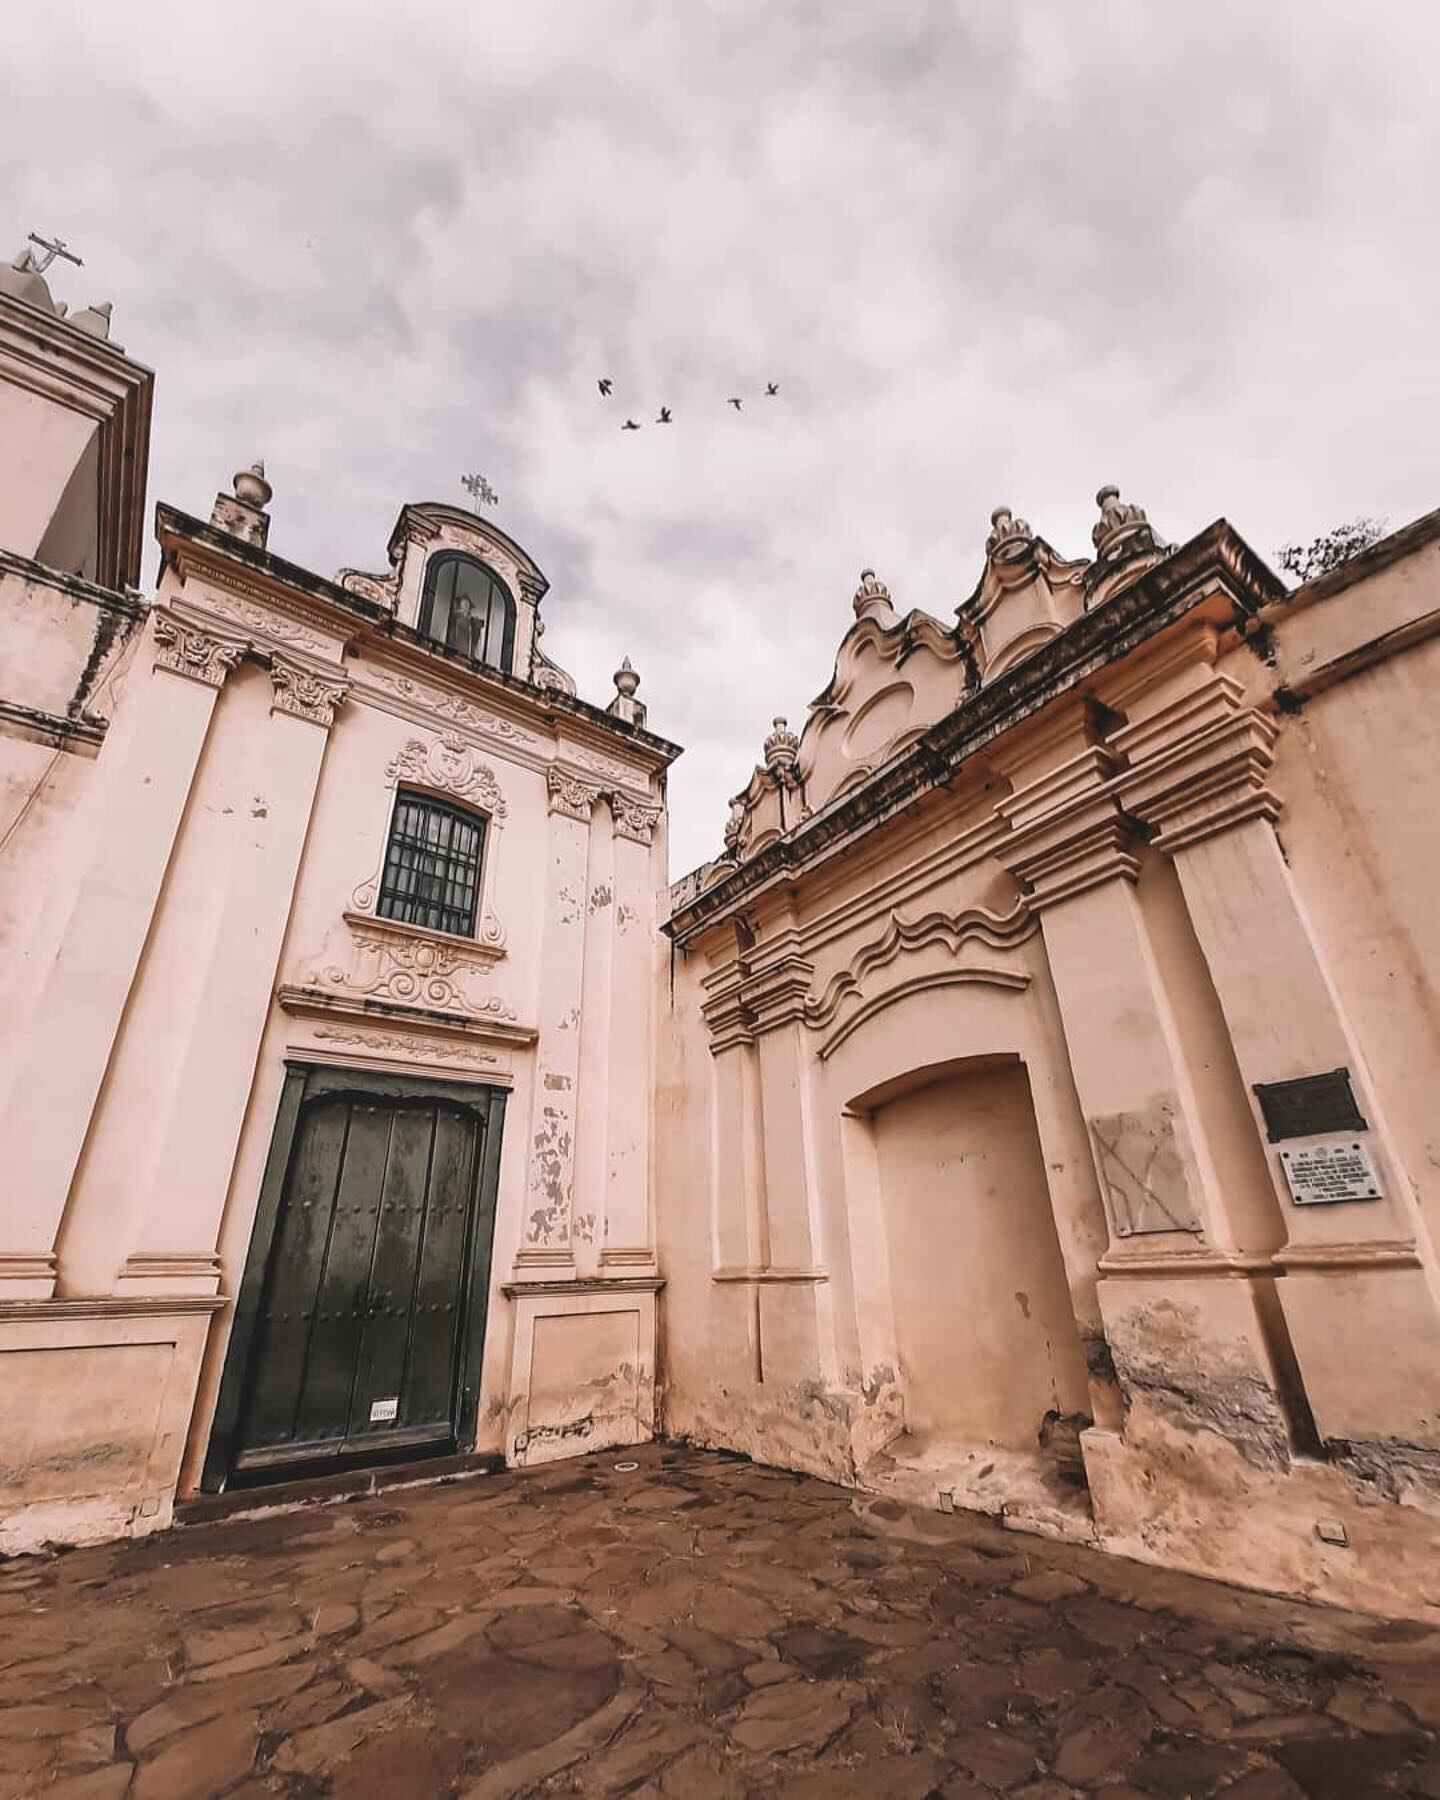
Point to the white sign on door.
(383, 1411)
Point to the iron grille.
(432, 866)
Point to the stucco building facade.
(1032, 1109)
(316, 899)
(1051, 1077)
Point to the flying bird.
(664, 418)
(733, 402)
(771, 387)
(629, 425)
(605, 384)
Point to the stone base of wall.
(1326, 1531)
(95, 1399)
(832, 1432)
(583, 1367)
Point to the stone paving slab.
(696, 1629)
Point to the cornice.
(74, 587)
(107, 1306)
(484, 1027)
(1199, 766)
(1217, 566)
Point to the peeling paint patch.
(573, 1428)
(601, 897)
(1397, 1470)
(558, 1083)
(1242, 1409)
(551, 1177)
(1099, 1362)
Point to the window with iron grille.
(432, 865)
(468, 608)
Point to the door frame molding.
(304, 1081)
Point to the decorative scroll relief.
(996, 931)
(455, 708)
(305, 694)
(265, 622)
(568, 795)
(186, 650)
(451, 766)
(369, 586)
(413, 970)
(400, 1044)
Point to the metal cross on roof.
(480, 491)
(52, 247)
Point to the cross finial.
(52, 247)
(479, 490)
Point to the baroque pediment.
(895, 677)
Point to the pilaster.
(144, 1213)
(1188, 1208)
(1360, 1310)
(547, 1235)
(627, 1237)
(592, 1106)
(140, 793)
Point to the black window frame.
(434, 569)
(456, 908)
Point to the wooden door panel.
(324, 1412)
(390, 1300)
(367, 1279)
(288, 1311)
(438, 1301)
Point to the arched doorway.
(992, 1363)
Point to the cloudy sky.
(991, 250)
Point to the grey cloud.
(998, 252)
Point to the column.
(546, 1239)
(147, 1204)
(140, 798)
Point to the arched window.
(469, 610)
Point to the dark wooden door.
(359, 1337)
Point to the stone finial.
(1122, 530)
(625, 706)
(735, 826)
(872, 598)
(242, 513)
(782, 748)
(94, 319)
(251, 487)
(1010, 538)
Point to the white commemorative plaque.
(1321, 1173)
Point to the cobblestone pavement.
(698, 1628)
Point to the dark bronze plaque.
(1309, 1105)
